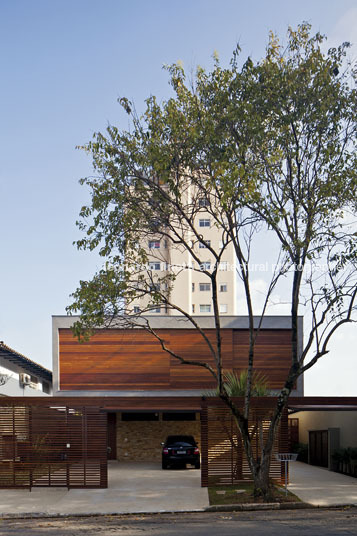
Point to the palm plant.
(236, 384)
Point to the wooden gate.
(223, 456)
(50, 444)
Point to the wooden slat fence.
(52, 445)
(223, 458)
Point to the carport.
(137, 426)
(62, 441)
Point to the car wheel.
(164, 465)
(197, 465)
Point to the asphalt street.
(319, 522)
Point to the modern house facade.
(156, 395)
(20, 376)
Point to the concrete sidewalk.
(321, 487)
(144, 487)
(133, 487)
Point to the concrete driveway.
(321, 487)
(133, 487)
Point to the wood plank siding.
(117, 359)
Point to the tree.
(271, 148)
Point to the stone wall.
(141, 440)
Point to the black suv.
(179, 450)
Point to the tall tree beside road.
(270, 146)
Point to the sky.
(64, 64)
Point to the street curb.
(245, 507)
(258, 506)
(47, 515)
(277, 506)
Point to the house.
(156, 395)
(20, 376)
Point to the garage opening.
(140, 434)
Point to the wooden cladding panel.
(133, 359)
(113, 359)
(272, 355)
(191, 346)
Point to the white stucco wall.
(13, 387)
(346, 421)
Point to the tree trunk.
(260, 468)
(262, 483)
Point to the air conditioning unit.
(25, 379)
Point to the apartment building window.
(154, 244)
(205, 244)
(223, 266)
(223, 287)
(155, 225)
(154, 287)
(154, 265)
(136, 309)
(193, 287)
(205, 286)
(156, 310)
(193, 307)
(223, 308)
(205, 265)
(204, 222)
(203, 202)
(205, 308)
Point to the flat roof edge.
(179, 322)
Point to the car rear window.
(187, 441)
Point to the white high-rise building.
(191, 290)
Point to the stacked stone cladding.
(141, 440)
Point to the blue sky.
(63, 65)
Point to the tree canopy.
(270, 146)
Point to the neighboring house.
(325, 429)
(155, 395)
(19, 376)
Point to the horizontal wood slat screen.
(52, 445)
(118, 359)
(223, 458)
